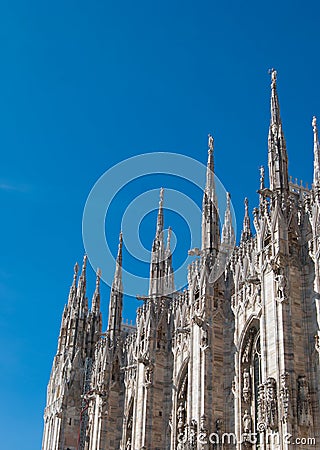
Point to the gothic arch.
(183, 368)
(249, 376)
(253, 320)
(181, 405)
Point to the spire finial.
(228, 237)
(210, 144)
(273, 74)
(96, 295)
(74, 282)
(119, 256)
(315, 128)
(277, 152)
(246, 206)
(117, 279)
(76, 270)
(246, 230)
(98, 277)
(116, 297)
(210, 233)
(261, 177)
(275, 109)
(316, 153)
(161, 196)
(84, 265)
(210, 166)
(160, 214)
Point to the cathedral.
(230, 362)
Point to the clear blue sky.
(84, 85)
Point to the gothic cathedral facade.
(229, 364)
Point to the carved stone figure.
(284, 396)
(219, 423)
(257, 294)
(203, 421)
(271, 404)
(204, 339)
(210, 142)
(304, 410)
(181, 417)
(148, 375)
(193, 434)
(261, 408)
(282, 286)
(246, 390)
(247, 422)
(261, 177)
(317, 342)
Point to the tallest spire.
(210, 219)
(158, 253)
(117, 280)
(160, 214)
(275, 108)
(210, 166)
(277, 151)
(116, 298)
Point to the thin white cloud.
(13, 187)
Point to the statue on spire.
(314, 125)
(210, 143)
(246, 206)
(316, 151)
(246, 229)
(273, 74)
(261, 177)
(98, 277)
(277, 152)
(161, 196)
(84, 265)
(76, 270)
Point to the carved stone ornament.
(304, 405)
(282, 294)
(148, 375)
(181, 417)
(247, 422)
(203, 435)
(271, 404)
(246, 389)
(128, 444)
(284, 396)
(219, 424)
(317, 342)
(261, 408)
(193, 431)
(204, 338)
(267, 405)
